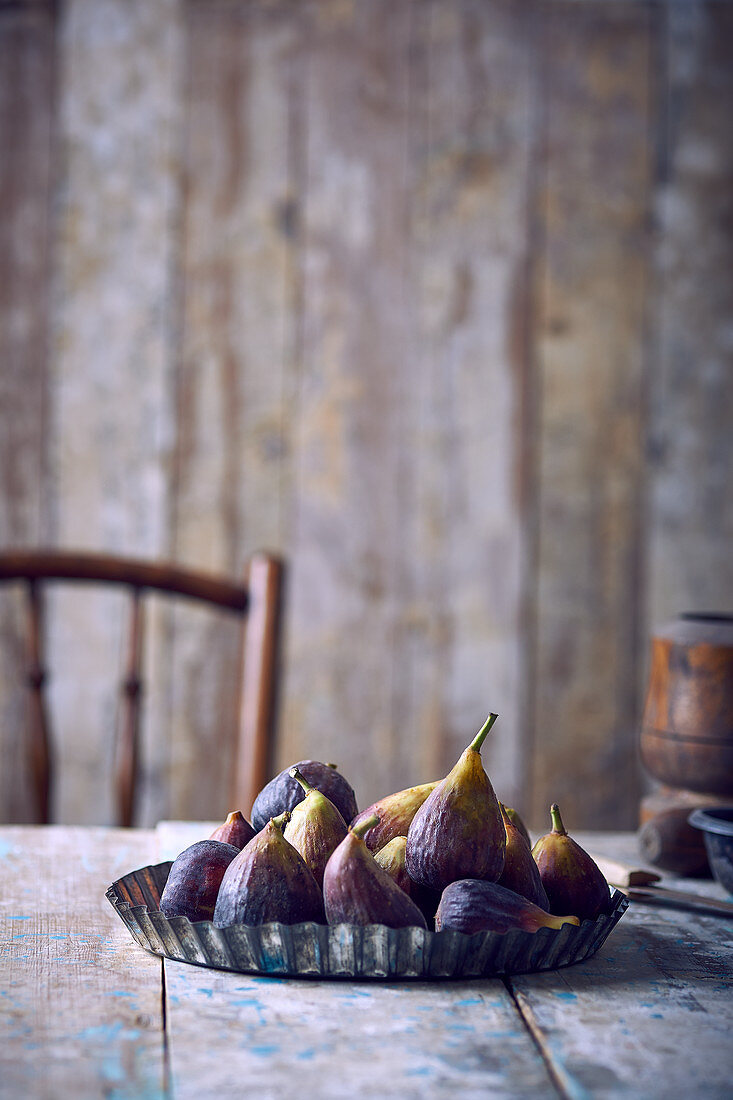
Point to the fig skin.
(315, 828)
(236, 830)
(268, 881)
(517, 822)
(392, 858)
(395, 813)
(194, 880)
(474, 905)
(572, 880)
(521, 874)
(356, 890)
(284, 793)
(458, 832)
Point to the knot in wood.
(36, 677)
(132, 686)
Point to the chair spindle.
(258, 697)
(128, 740)
(39, 749)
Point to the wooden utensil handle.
(661, 895)
(624, 874)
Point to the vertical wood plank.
(347, 544)
(473, 148)
(112, 394)
(26, 123)
(592, 287)
(82, 1003)
(690, 563)
(234, 385)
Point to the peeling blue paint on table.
(86, 1012)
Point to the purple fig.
(236, 830)
(194, 880)
(284, 793)
(472, 905)
(268, 881)
(521, 874)
(517, 822)
(458, 832)
(356, 890)
(572, 880)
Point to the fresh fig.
(284, 793)
(572, 880)
(473, 905)
(392, 858)
(521, 874)
(356, 890)
(268, 881)
(236, 830)
(395, 813)
(517, 822)
(458, 832)
(315, 828)
(194, 879)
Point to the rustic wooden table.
(88, 1013)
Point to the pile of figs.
(441, 855)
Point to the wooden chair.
(257, 600)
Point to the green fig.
(392, 858)
(236, 830)
(395, 813)
(471, 905)
(356, 890)
(521, 874)
(517, 822)
(458, 831)
(572, 880)
(315, 828)
(268, 881)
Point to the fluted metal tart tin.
(348, 950)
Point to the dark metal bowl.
(347, 950)
(717, 826)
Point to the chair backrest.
(257, 600)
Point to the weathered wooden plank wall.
(593, 220)
(434, 298)
(26, 110)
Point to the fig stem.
(557, 825)
(307, 787)
(481, 735)
(364, 826)
(281, 821)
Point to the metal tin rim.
(348, 951)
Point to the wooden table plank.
(651, 1014)
(80, 1002)
(398, 1040)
